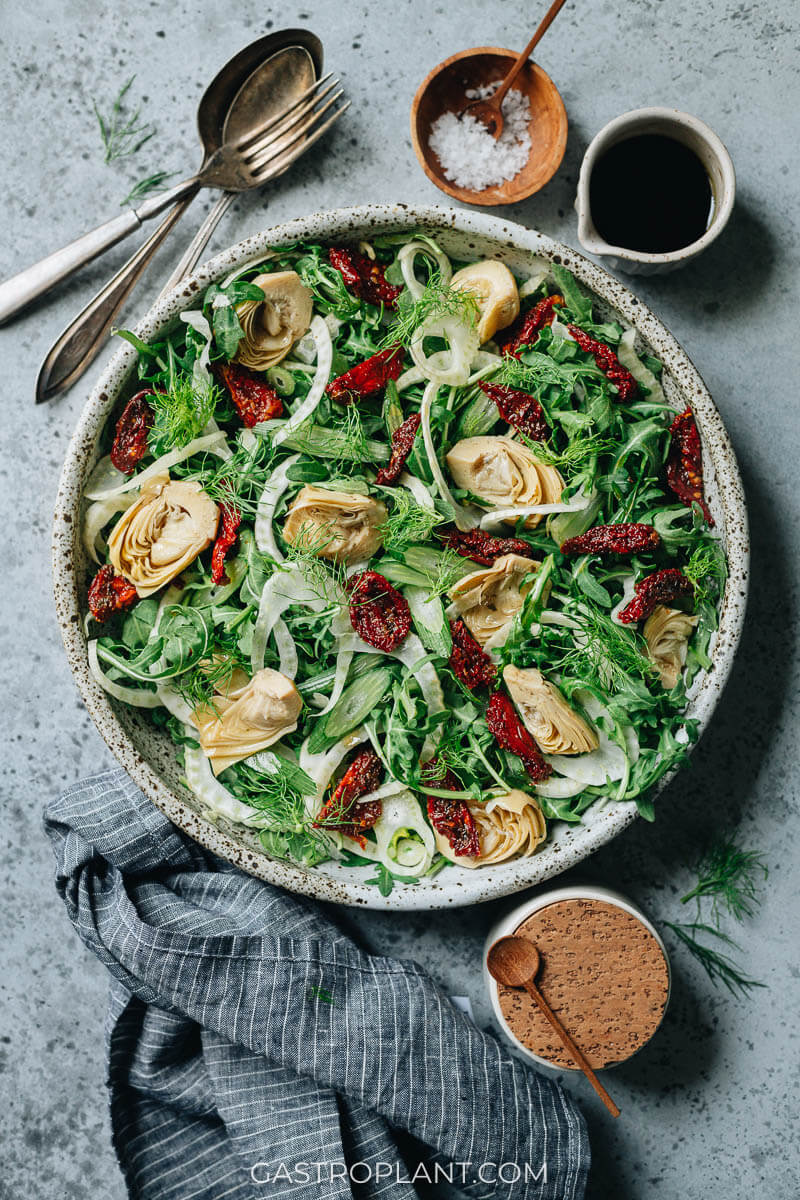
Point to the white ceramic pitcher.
(691, 132)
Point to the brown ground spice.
(604, 975)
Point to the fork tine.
(288, 137)
(278, 164)
(247, 139)
(273, 138)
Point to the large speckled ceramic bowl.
(149, 756)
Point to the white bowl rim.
(453, 888)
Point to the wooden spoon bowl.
(444, 90)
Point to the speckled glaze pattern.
(148, 755)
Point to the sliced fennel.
(404, 842)
(408, 256)
(356, 702)
(322, 338)
(138, 697)
(214, 795)
(117, 484)
(642, 374)
(430, 622)
(578, 503)
(451, 366)
(464, 519)
(274, 488)
(97, 517)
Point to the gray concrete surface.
(709, 1106)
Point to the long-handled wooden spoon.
(514, 961)
(489, 112)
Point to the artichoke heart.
(489, 599)
(342, 526)
(495, 291)
(246, 716)
(545, 713)
(505, 473)
(162, 532)
(510, 825)
(667, 632)
(272, 325)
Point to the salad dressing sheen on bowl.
(650, 192)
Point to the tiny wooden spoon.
(489, 112)
(514, 962)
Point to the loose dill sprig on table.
(729, 876)
(436, 300)
(143, 187)
(719, 967)
(123, 133)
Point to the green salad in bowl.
(409, 556)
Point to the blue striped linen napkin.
(254, 1050)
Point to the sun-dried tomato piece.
(229, 526)
(378, 612)
(511, 734)
(479, 546)
(519, 409)
(130, 439)
(364, 277)
(468, 661)
(662, 587)
(685, 463)
(527, 327)
(344, 812)
(402, 441)
(253, 399)
(110, 593)
(607, 361)
(451, 817)
(367, 378)
(624, 538)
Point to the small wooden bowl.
(444, 90)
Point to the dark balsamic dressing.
(650, 193)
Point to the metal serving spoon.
(514, 962)
(234, 168)
(276, 88)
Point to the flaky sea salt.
(470, 156)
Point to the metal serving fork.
(279, 143)
(236, 166)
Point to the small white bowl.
(690, 132)
(512, 921)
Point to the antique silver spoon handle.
(19, 291)
(192, 253)
(85, 336)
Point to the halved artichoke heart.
(272, 325)
(505, 473)
(545, 713)
(247, 716)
